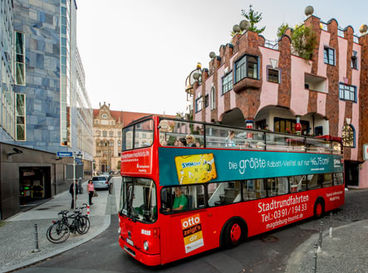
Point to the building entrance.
(34, 184)
(351, 173)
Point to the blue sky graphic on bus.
(239, 165)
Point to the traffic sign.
(64, 154)
(78, 161)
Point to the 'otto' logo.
(191, 222)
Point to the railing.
(202, 135)
(271, 44)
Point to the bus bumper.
(144, 258)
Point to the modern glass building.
(44, 105)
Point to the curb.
(106, 224)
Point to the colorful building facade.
(252, 83)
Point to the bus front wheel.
(233, 232)
(319, 208)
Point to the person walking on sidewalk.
(91, 191)
(73, 190)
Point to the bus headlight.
(145, 245)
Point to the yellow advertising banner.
(199, 168)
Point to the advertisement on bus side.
(192, 233)
(240, 165)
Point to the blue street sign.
(78, 161)
(64, 154)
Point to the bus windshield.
(138, 199)
(138, 135)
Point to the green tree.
(304, 41)
(254, 17)
(281, 30)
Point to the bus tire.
(319, 208)
(233, 232)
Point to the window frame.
(327, 54)
(354, 60)
(199, 102)
(20, 61)
(227, 82)
(241, 68)
(268, 68)
(24, 116)
(213, 98)
(347, 89)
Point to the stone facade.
(307, 89)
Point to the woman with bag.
(91, 190)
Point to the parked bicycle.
(68, 222)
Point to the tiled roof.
(125, 116)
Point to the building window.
(206, 101)
(111, 143)
(347, 92)
(354, 60)
(20, 117)
(199, 103)
(348, 136)
(288, 126)
(19, 59)
(246, 67)
(213, 98)
(329, 55)
(227, 82)
(98, 133)
(273, 75)
(104, 133)
(104, 115)
(119, 143)
(111, 133)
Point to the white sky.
(137, 53)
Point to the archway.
(233, 117)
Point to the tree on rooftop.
(254, 17)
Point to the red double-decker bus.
(188, 187)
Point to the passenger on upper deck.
(190, 141)
(230, 139)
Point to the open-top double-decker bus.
(188, 187)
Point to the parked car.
(107, 175)
(101, 182)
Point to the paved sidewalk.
(17, 234)
(345, 251)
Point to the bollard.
(330, 229)
(320, 235)
(36, 240)
(315, 258)
(88, 211)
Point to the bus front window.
(138, 199)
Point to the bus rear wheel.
(233, 232)
(319, 208)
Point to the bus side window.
(313, 181)
(298, 183)
(327, 179)
(224, 193)
(338, 179)
(254, 189)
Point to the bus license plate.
(129, 241)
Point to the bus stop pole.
(74, 190)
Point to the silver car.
(101, 182)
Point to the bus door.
(187, 231)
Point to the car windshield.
(99, 178)
(138, 199)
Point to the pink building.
(252, 84)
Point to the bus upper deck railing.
(174, 133)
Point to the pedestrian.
(73, 190)
(91, 191)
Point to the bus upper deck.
(173, 132)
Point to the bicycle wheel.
(57, 233)
(83, 225)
